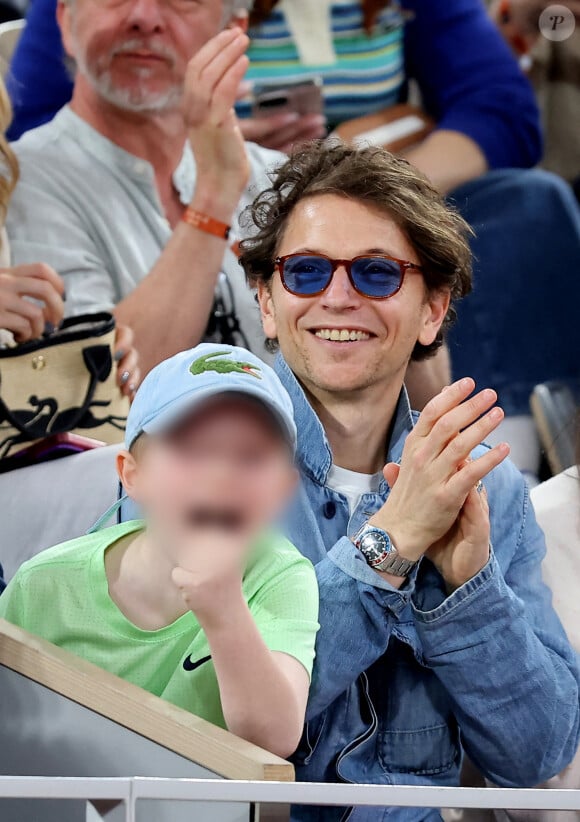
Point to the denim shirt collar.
(313, 453)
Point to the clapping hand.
(211, 89)
(465, 546)
(435, 507)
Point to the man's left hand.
(464, 550)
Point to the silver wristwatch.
(377, 548)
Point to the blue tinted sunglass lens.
(307, 275)
(376, 277)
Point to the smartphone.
(48, 449)
(304, 97)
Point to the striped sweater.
(366, 74)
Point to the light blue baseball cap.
(179, 385)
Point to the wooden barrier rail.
(64, 717)
(135, 709)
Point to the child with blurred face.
(204, 603)
(222, 472)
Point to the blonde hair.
(8, 161)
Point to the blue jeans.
(519, 327)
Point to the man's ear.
(127, 471)
(63, 15)
(264, 294)
(434, 312)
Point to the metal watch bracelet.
(396, 565)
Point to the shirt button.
(329, 510)
(140, 167)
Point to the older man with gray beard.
(131, 191)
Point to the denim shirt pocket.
(417, 733)
(420, 751)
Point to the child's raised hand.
(210, 576)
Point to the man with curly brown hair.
(437, 634)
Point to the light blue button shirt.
(91, 210)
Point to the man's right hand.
(19, 286)
(436, 474)
(211, 88)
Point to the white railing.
(117, 798)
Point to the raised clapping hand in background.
(213, 84)
(211, 89)
(434, 508)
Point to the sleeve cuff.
(346, 557)
(431, 606)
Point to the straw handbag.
(65, 382)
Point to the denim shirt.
(406, 680)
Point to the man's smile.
(342, 334)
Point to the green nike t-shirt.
(62, 595)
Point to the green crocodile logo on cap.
(210, 362)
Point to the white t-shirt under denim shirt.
(91, 211)
(352, 484)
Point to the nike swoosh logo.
(190, 665)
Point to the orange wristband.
(205, 223)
